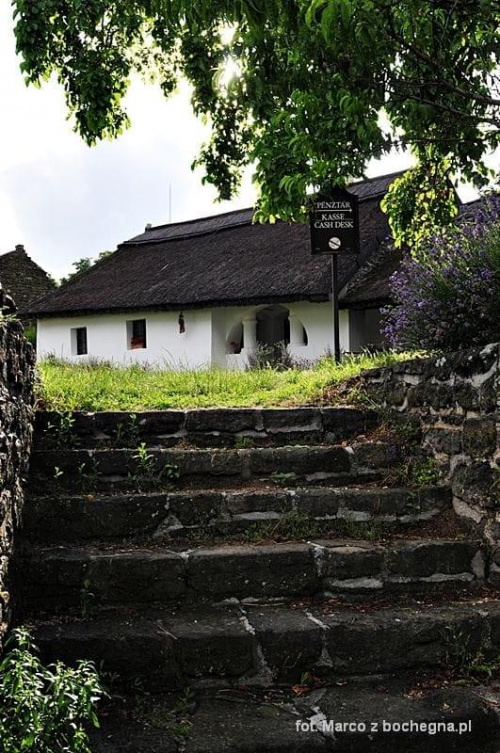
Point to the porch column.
(296, 331)
(250, 333)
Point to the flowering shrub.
(447, 294)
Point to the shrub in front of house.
(447, 293)
(275, 356)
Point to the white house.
(207, 291)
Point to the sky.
(63, 200)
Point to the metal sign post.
(334, 221)
(336, 317)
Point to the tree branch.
(424, 58)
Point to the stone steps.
(204, 428)
(123, 469)
(228, 559)
(230, 512)
(273, 645)
(63, 577)
(368, 716)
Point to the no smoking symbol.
(334, 243)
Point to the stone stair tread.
(178, 466)
(274, 570)
(201, 451)
(131, 515)
(269, 644)
(215, 425)
(249, 722)
(99, 549)
(371, 488)
(221, 614)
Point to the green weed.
(415, 471)
(296, 526)
(283, 479)
(144, 474)
(173, 719)
(243, 443)
(45, 708)
(62, 433)
(88, 600)
(466, 656)
(58, 474)
(127, 432)
(88, 475)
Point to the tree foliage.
(322, 85)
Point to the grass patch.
(102, 386)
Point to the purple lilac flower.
(447, 295)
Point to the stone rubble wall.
(456, 399)
(17, 362)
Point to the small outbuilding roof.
(222, 260)
(370, 287)
(22, 278)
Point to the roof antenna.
(170, 202)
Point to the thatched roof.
(218, 261)
(22, 278)
(370, 286)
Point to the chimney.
(148, 226)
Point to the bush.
(277, 357)
(44, 709)
(448, 293)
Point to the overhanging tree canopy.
(322, 85)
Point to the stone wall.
(16, 413)
(456, 399)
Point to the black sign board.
(335, 223)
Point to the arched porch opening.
(273, 326)
(266, 326)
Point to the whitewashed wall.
(107, 338)
(205, 341)
(219, 336)
(317, 318)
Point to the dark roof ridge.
(20, 250)
(184, 236)
(379, 177)
(206, 228)
(24, 279)
(17, 250)
(198, 219)
(7, 253)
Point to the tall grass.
(101, 386)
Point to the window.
(136, 334)
(79, 341)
